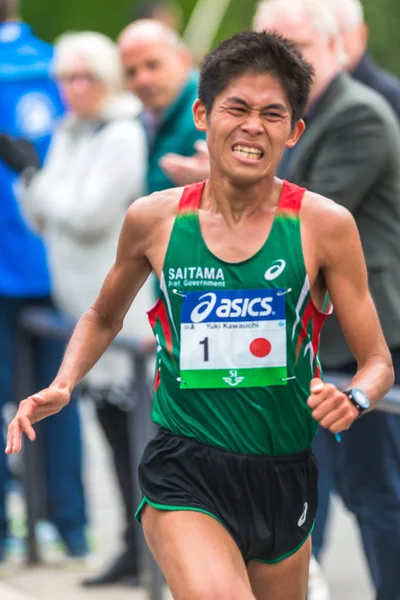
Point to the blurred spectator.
(350, 152)
(29, 104)
(159, 70)
(358, 61)
(95, 168)
(166, 11)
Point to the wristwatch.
(358, 399)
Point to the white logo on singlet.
(303, 517)
(275, 269)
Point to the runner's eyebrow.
(274, 106)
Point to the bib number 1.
(205, 344)
(232, 339)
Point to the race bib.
(233, 339)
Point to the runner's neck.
(237, 204)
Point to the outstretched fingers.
(18, 426)
(22, 423)
(34, 408)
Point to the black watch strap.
(361, 406)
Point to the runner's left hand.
(330, 407)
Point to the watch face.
(360, 398)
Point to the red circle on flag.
(260, 347)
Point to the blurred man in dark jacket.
(350, 152)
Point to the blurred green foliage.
(50, 18)
(383, 18)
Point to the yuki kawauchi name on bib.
(233, 338)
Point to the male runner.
(244, 261)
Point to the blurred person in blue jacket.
(95, 168)
(159, 71)
(29, 105)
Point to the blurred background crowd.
(96, 111)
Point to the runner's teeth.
(247, 151)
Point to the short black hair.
(257, 52)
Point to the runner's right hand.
(31, 410)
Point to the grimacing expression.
(155, 72)
(248, 128)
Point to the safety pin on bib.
(284, 292)
(175, 291)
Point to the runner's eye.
(237, 111)
(272, 116)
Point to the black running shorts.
(267, 503)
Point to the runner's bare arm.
(343, 267)
(98, 327)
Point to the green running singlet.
(238, 343)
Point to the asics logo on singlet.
(277, 267)
(230, 308)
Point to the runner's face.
(248, 128)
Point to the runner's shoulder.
(326, 218)
(150, 212)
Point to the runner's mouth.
(247, 151)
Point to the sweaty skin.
(334, 261)
(248, 128)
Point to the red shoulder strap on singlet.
(191, 196)
(291, 198)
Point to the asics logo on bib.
(231, 308)
(275, 269)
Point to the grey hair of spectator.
(8, 9)
(319, 13)
(354, 31)
(350, 13)
(97, 50)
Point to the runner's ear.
(200, 116)
(296, 133)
